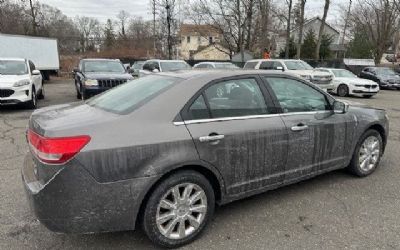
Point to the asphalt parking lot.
(333, 211)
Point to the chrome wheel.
(369, 153)
(181, 211)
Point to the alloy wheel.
(181, 211)
(369, 153)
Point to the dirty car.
(162, 151)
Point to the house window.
(210, 39)
(188, 39)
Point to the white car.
(20, 82)
(215, 65)
(346, 83)
(296, 67)
(156, 66)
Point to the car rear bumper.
(72, 201)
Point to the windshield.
(174, 66)
(343, 73)
(225, 66)
(127, 97)
(297, 65)
(385, 71)
(103, 66)
(10, 67)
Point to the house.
(201, 42)
(313, 24)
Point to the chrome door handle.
(299, 128)
(211, 138)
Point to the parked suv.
(94, 76)
(385, 77)
(20, 82)
(156, 66)
(296, 67)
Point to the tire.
(342, 90)
(156, 228)
(78, 93)
(372, 156)
(32, 104)
(42, 93)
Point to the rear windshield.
(225, 66)
(174, 66)
(298, 65)
(250, 65)
(131, 95)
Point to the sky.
(104, 9)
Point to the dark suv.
(385, 77)
(94, 76)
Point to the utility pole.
(34, 25)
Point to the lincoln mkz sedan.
(161, 151)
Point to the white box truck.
(43, 52)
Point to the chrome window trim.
(249, 117)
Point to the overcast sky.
(104, 9)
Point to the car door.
(318, 138)
(36, 79)
(238, 133)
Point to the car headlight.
(307, 77)
(91, 82)
(22, 83)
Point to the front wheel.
(179, 209)
(367, 154)
(343, 90)
(32, 104)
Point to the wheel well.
(210, 176)
(381, 131)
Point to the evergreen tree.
(360, 46)
(309, 45)
(292, 50)
(109, 36)
(325, 50)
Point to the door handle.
(211, 138)
(300, 127)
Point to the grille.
(6, 92)
(370, 86)
(107, 83)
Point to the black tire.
(342, 90)
(41, 93)
(149, 221)
(32, 104)
(78, 93)
(355, 166)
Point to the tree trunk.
(287, 50)
(301, 28)
(34, 30)
(321, 29)
(169, 44)
(249, 23)
(265, 12)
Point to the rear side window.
(131, 95)
(230, 98)
(250, 65)
(267, 65)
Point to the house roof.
(214, 45)
(196, 29)
(312, 20)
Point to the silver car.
(163, 150)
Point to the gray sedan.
(163, 150)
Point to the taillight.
(57, 150)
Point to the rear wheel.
(343, 90)
(367, 154)
(179, 209)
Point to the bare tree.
(88, 28)
(321, 29)
(123, 17)
(380, 18)
(301, 27)
(346, 22)
(288, 26)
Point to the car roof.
(272, 60)
(100, 59)
(12, 59)
(331, 68)
(159, 60)
(216, 74)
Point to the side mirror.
(155, 70)
(279, 68)
(340, 107)
(35, 72)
